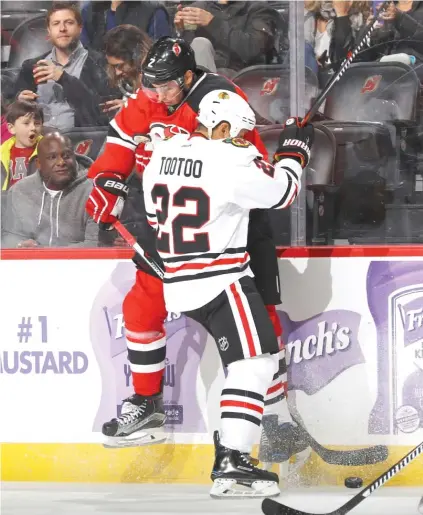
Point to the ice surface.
(155, 499)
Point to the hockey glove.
(295, 141)
(107, 198)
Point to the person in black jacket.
(401, 32)
(70, 81)
(100, 17)
(242, 33)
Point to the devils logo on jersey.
(165, 131)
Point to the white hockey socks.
(242, 401)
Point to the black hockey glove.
(295, 141)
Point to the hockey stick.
(271, 507)
(355, 457)
(344, 66)
(130, 239)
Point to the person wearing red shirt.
(24, 122)
(172, 89)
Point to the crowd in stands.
(97, 48)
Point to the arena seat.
(29, 40)
(321, 186)
(8, 80)
(268, 90)
(87, 141)
(374, 115)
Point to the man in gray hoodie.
(47, 209)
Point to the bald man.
(47, 209)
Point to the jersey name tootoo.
(181, 167)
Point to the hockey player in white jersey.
(198, 192)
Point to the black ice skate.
(281, 441)
(234, 475)
(140, 423)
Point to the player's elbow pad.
(288, 173)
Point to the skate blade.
(137, 439)
(230, 489)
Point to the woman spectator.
(100, 17)
(331, 28)
(401, 32)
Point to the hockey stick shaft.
(271, 507)
(130, 239)
(344, 66)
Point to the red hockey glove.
(295, 141)
(107, 198)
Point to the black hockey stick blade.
(344, 66)
(352, 458)
(271, 507)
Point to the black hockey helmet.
(168, 59)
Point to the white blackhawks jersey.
(198, 195)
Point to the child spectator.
(48, 208)
(24, 121)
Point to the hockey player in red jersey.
(202, 239)
(167, 104)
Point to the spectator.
(331, 28)
(125, 47)
(69, 81)
(24, 122)
(242, 33)
(401, 32)
(100, 17)
(47, 209)
(5, 134)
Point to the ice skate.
(234, 475)
(140, 423)
(279, 442)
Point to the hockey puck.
(353, 482)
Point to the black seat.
(8, 80)
(87, 141)
(29, 40)
(374, 113)
(268, 91)
(321, 186)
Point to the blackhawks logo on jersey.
(238, 142)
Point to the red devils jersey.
(141, 116)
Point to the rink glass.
(364, 184)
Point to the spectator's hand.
(27, 95)
(390, 13)
(27, 244)
(196, 16)
(112, 105)
(179, 20)
(46, 70)
(342, 7)
(120, 242)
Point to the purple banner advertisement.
(319, 349)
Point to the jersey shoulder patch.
(238, 142)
